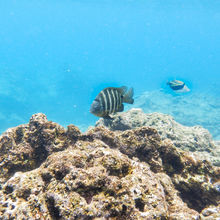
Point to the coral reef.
(194, 139)
(48, 172)
(196, 108)
(27, 146)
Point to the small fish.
(110, 100)
(178, 86)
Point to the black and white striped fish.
(110, 100)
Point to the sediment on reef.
(48, 172)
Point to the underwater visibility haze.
(56, 56)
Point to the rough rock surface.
(194, 139)
(193, 108)
(27, 146)
(48, 172)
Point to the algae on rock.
(194, 139)
(101, 174)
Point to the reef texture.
(48, 172)
(193, 108)
(194, 139)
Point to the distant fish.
(178, 86)
(110, 100)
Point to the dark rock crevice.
(53, 210)
(192, 196)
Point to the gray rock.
(194, 139)
(190, 109)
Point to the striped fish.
(110, 100)
(178, 86)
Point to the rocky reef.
(194, 108)
(194, 139)
(48, 172)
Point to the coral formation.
(194, 139)
(48, 172)
(196, 108)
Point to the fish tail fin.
(128, 96)
(186, 89)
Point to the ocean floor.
(188, 109)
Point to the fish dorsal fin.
(123, 89)
(178, 82)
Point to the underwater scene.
(100, 97)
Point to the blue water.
(55, 56)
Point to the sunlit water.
(55, 56)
